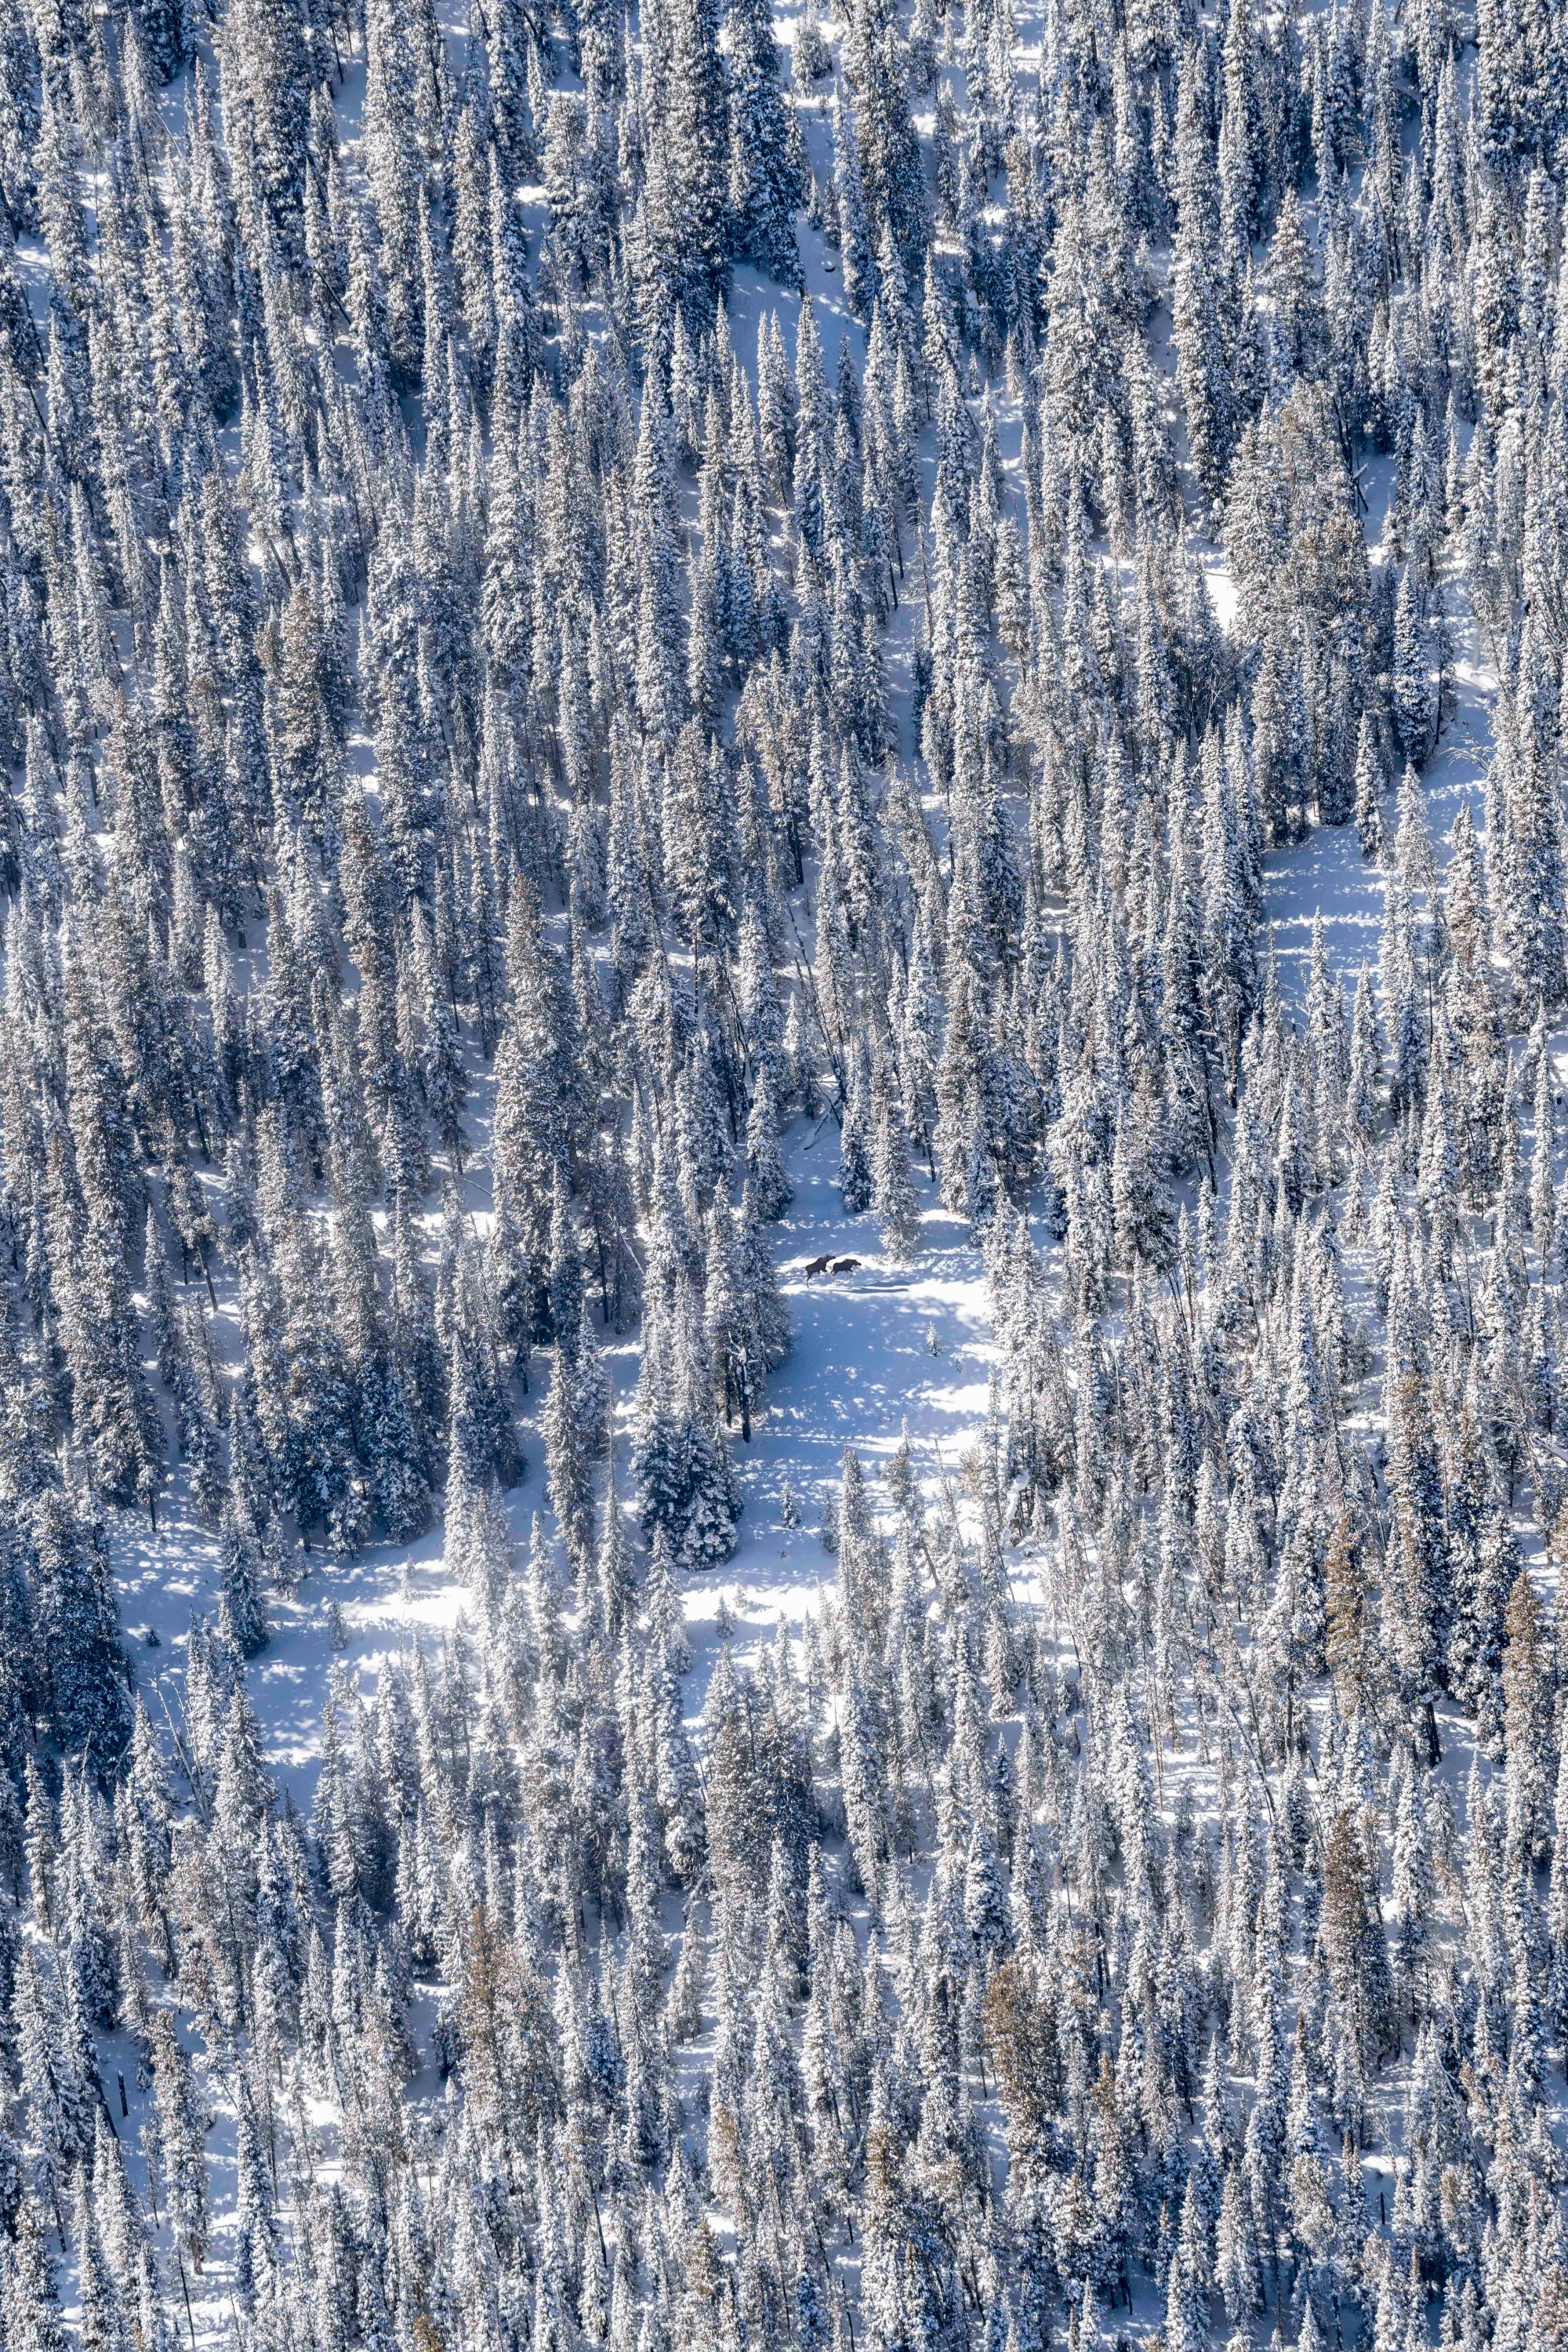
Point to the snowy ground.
(877, 1352)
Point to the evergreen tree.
(764, 175)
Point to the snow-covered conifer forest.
(784, 1237)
